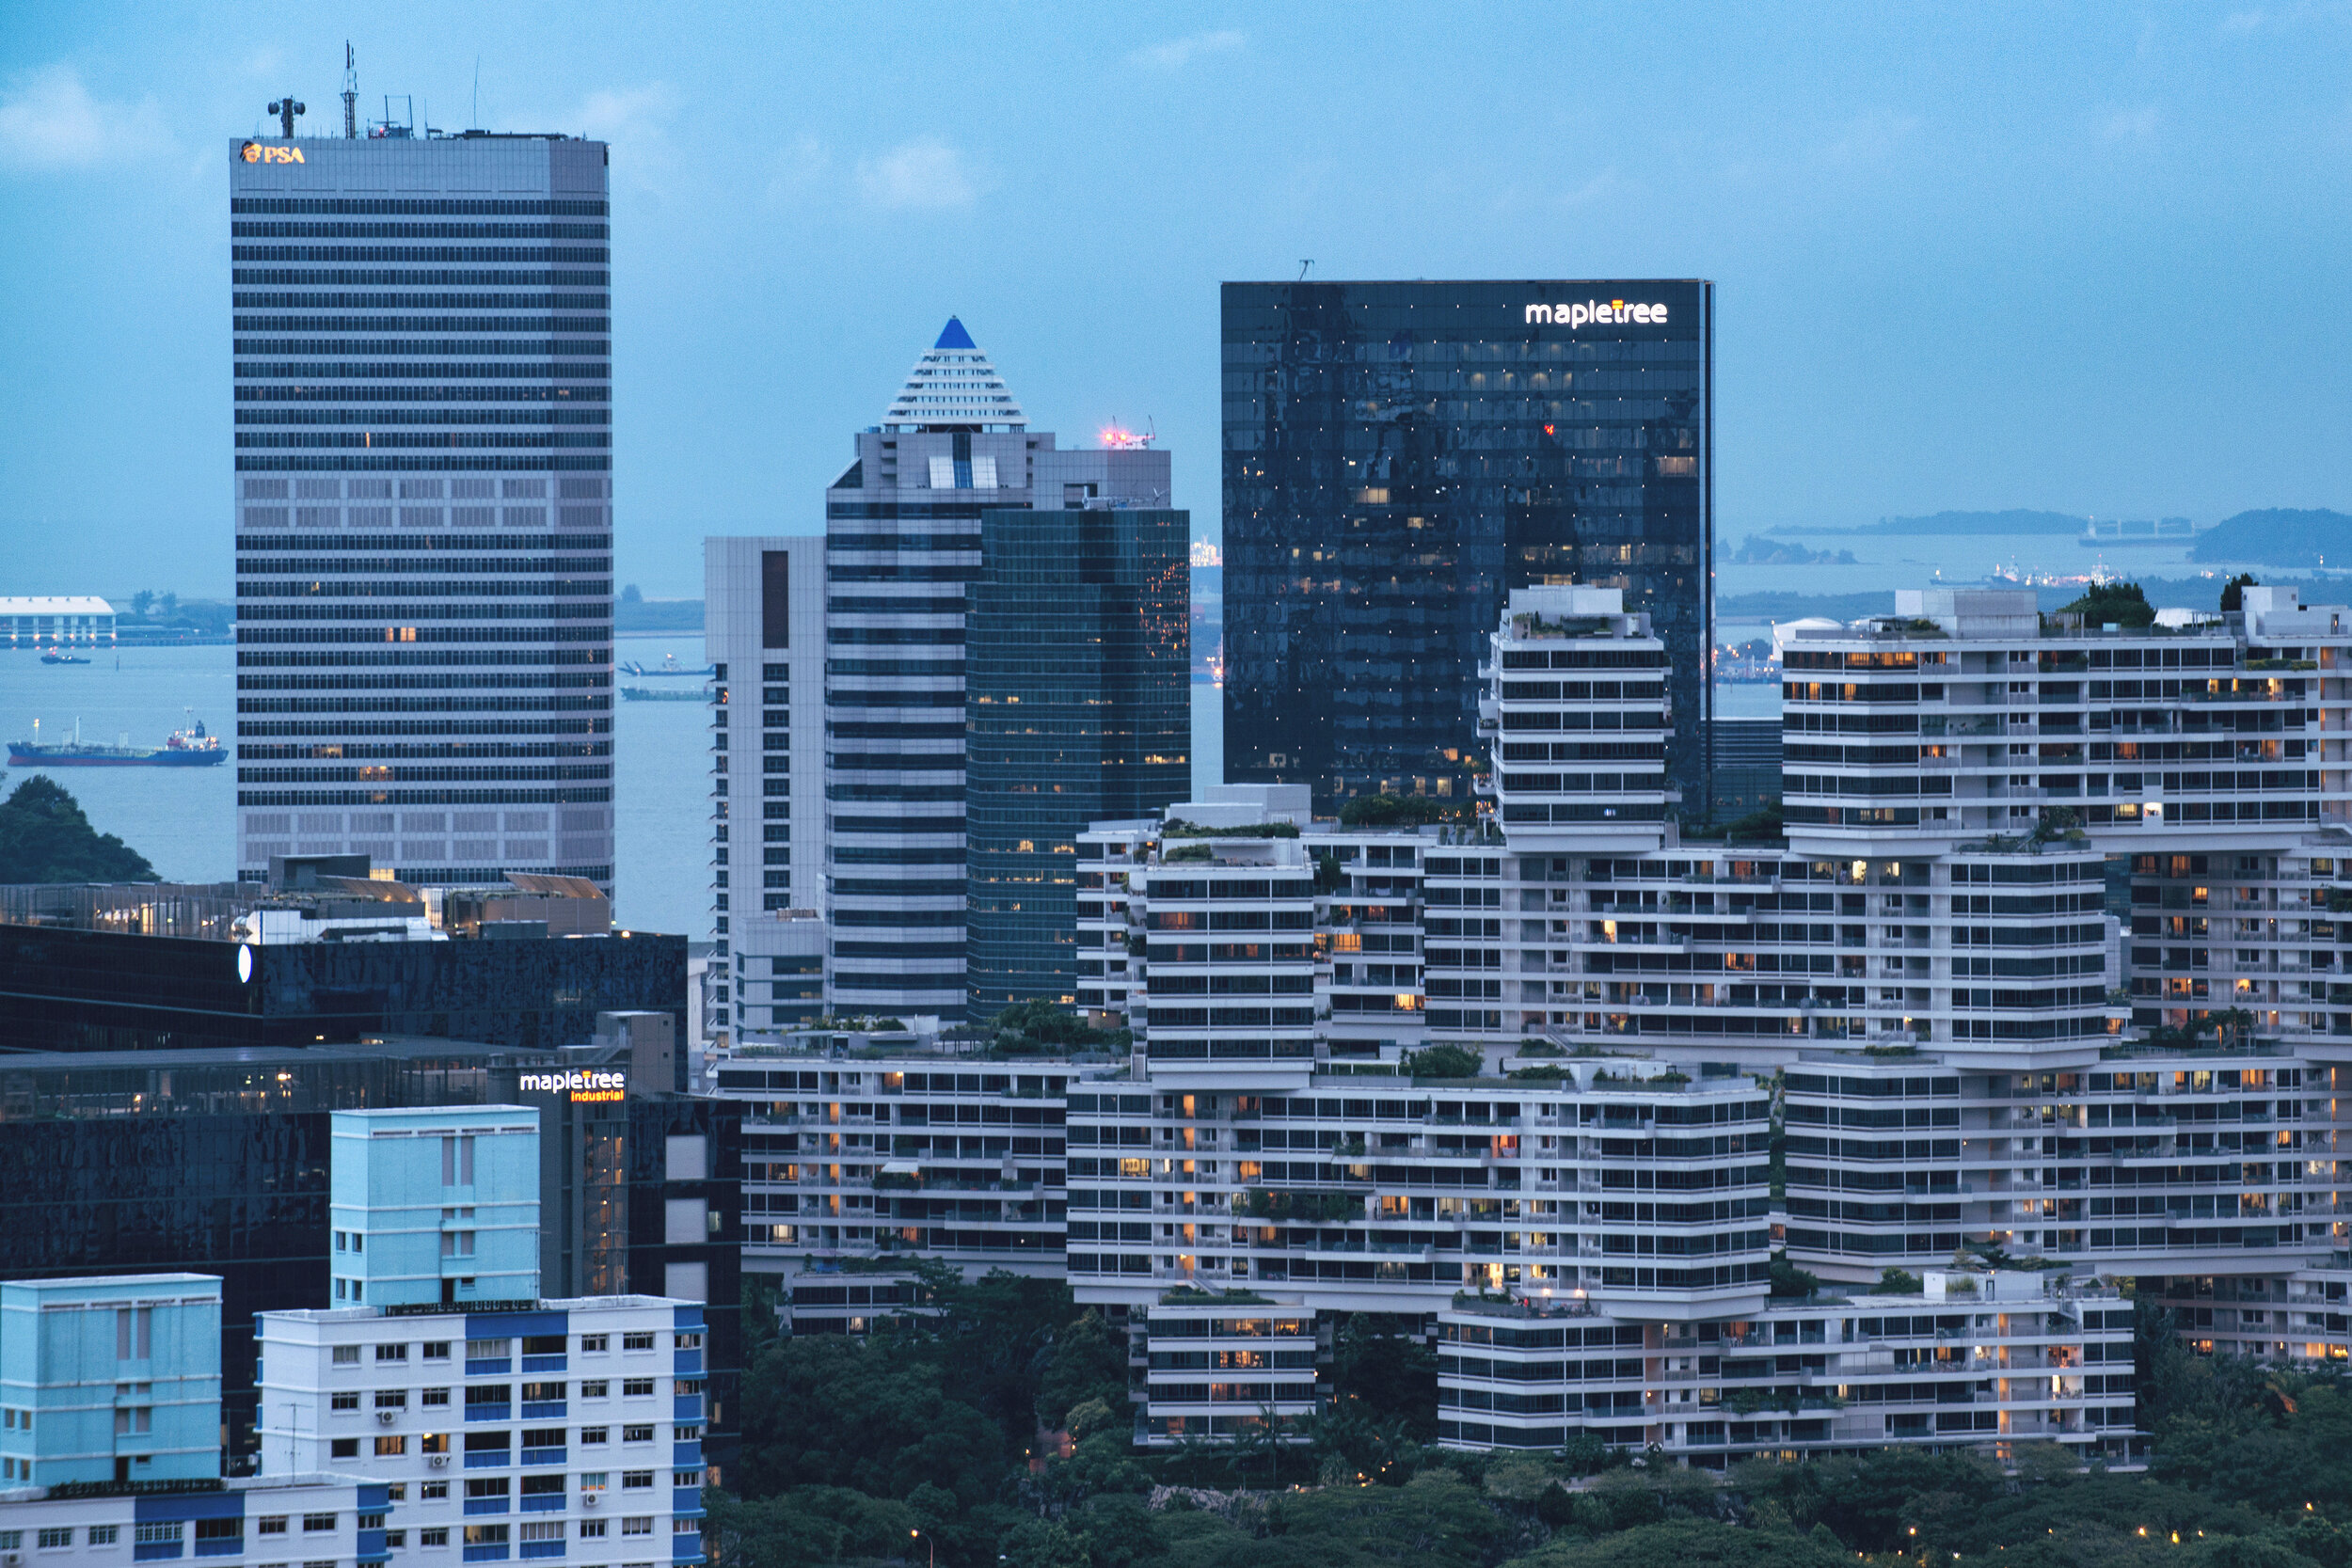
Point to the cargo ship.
(669, 669)
(188, 747)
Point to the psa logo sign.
(254, 153)
(1609, 313)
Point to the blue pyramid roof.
(953, 387)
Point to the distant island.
(2016, 520)
(2197, 593)
(2279, 537)
(1756, 551)
(635, 612)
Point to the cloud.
(800, 166)
(925, 172)
(631, 113)
(1178, 52)
(48, 120)
(2129, 126)
(635, 120)
(2242, 22)
(1868, 139)
(1600, 187)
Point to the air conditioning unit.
(11, 1558)
(588, 1499)
(384, 1417)
(436, 1460)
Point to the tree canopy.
(2123, 604)
(1445, 1061)
(1038, 1027)
(992, 1421)
(44, 837)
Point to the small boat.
(669, 669)
(649, 694)
(188, 747)
(52, 656)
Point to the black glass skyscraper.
(1077, 711)
(1398, 457)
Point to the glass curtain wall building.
(1078, 710)
(424, 502)
(1399, 456)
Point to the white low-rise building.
(566, 1429)
(310, 1519)
(1970, 1359)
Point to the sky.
(1973, 256)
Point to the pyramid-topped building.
(905, 526)
(953, 387)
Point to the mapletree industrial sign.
(588, 1087)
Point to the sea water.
(184, 819)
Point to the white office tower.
(902, 541)
(510, 1426)
(764, 628)
(424, 502)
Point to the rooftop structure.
(323, 957)
(953, 385)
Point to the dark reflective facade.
(1077, 711)
(218, 1162)
(214, 1162)
(1398, 457)
(67, 990)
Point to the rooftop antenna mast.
(474, 117)
(351, 94)
(285, 109)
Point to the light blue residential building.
(434, 1207)
(109, 1380)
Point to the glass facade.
(64, 990)
(219, 1164)
(1077, 711)
(216, 1166)
(1398, 457)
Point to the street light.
(929, 1542)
